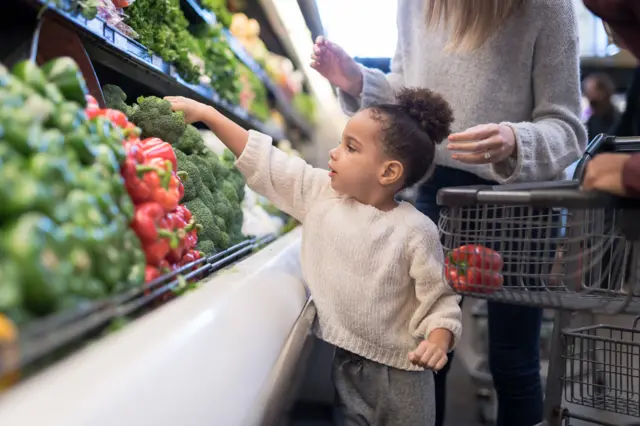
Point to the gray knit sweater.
(526, 76)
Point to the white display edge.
(207, 358)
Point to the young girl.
(373, 266)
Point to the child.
(373, 266)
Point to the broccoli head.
(207, 247)
(229, 191)
(193, 181)
(190, 142)
(221, 206)
(220, 239)
(203, 216)
(213, 160)
(206, 173)
(220, 223)
(155, 118)
(205, 195)
(115, 98)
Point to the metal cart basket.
(552, 245)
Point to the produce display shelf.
(62, 333)
(126, 56)
(196, 14)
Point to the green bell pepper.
(22, 192)
(67, 117)
(29, 73)
(10, 292)
(65, 74)
(36, 246)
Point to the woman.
(510, 70)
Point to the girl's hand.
(337, 66)
(604, 172)
(483, 144)
(193, 111)
(429, 355)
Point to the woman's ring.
(487, 155)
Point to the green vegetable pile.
(219, 8)
(87, 8)
(64, 219)
(214, 188)
(258, 106)
(163, 29)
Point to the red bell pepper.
(164, 183)
(152, 148)
(184, 212)
(156, 251)
(151, 273)
(151, 224)
(474, 268)
(116, 117)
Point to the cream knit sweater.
(375, 277)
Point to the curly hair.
(411, 129)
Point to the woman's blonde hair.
(470, 22)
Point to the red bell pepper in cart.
(474, 268)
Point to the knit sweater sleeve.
(289, 183)
(555, 137)
(439, 306)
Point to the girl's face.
(358, 166)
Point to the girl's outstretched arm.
(232, 135)
(289, 183)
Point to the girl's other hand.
(429, 355)
(337, 66)
(483, 144)
(193, 111)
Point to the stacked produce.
(166, 230)
(253, 94)
(214, 188)
(64, 220)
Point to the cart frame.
(589, 264)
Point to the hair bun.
(429, 110)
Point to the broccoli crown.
(207, 247)
(220, 222)
(221, 206)
(155, 118)
(228, 158)
(204, 217)
(115, 98)
(206, 173)
(205, 195)
(193, 181)
(228, 189)
(190, 142)
(221, 239)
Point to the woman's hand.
(337, 66)
(604, 173)
(193, 110)
(483, 144)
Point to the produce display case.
(196, 361)
(37, 34)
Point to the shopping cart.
(560, 248)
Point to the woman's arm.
(631, 176)
(288, 182)
(555, 137)
(377, 88)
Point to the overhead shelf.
(110, 48)
(196, 15)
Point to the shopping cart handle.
(605, 143)
(559, 194)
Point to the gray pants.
(372, 394)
